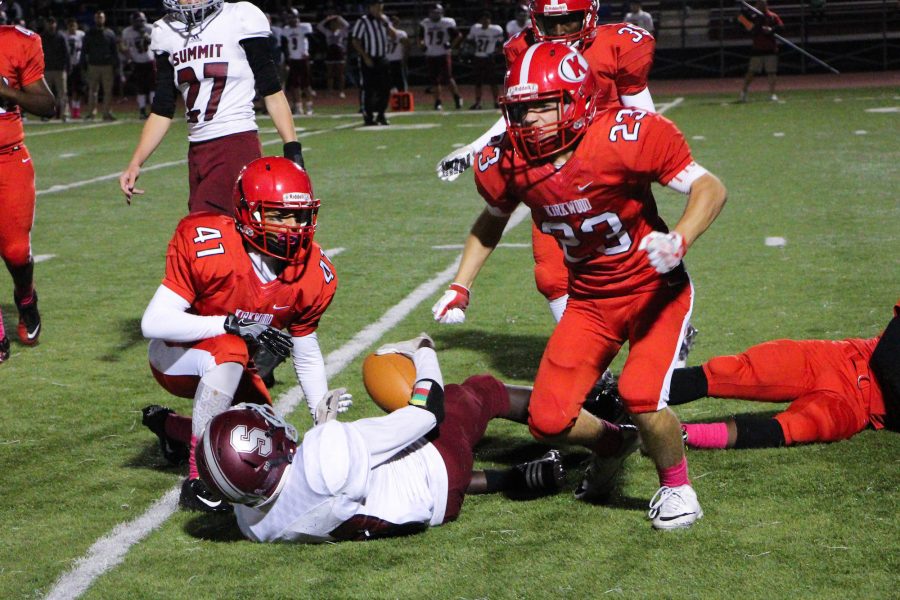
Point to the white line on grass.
(70, 129)
(332, 252)
(76, 184)
(661, 108)
(109, 551)
(460, 246)
(39, 258)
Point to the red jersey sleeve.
(32, 60)
(179, 268)
(623, 53)
(319, 284)
(659, 151)
(492, 166)
(515, 46)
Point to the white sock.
(427, 366)
(215, 394)
(142, 101)
(558, 306)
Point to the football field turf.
(819, 170)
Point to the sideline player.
(485, 36)
(136, 46)
(585, 172)
(618, 52)
(231, 285)
(295, 44)
(836, 389)
(216, 52)
(22, 87)
(370, 478)
(438, 36)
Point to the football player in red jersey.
(585, 171)
(836, 389)
(22, 87)
(619, 52)
(231, 285)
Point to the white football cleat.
(602, 472)
(407, 347)
(674, 507)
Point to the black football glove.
(270, 338)
(294, 152)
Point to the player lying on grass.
(231, 285)
(379, 477)
(836, 389)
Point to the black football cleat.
(196, 496)
(603, 400)
(29, 329)
(154, 419)
(545, 475)
(4, 350)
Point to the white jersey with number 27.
(211, 68)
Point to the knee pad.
(637, 396)
(16, 254)
(548, 423)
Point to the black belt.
(10, 150)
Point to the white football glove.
(451, 308)
(454, 164)
(336, 401)
(664, 250)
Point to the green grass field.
(805, 522)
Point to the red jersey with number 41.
(21, 64)
(598, 204)
(207, 265)
(619, 52)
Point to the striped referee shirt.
(372, 33)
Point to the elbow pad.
(164, 99)
(264, 71)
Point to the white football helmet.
(193, 12)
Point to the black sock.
(23, 278)
(499, 481)
(687, 385)
(754, 432)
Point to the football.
(389, 379)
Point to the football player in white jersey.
(486, 38)
(369, 478)
(135, 44)
(520, 23)
(295, 45)
(75, 39)
(439, 36)
(218, 55)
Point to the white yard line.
(68, 129)
(39, 258)
(332, 252)
(662, 108)
(110, 550)
(174, 163)
(460, 246)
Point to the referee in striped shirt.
(369, 36)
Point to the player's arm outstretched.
(454, 164)
(483, 238)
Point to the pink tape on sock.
(674, 476)
(610, 442)
(2, 330)
(193, 473)
(707, 435)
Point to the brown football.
(389, 379)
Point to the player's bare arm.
(280, 110)
(35, 97)
(155, 128)
(704, 204)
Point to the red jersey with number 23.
(619, 52)
(21, 64)
(207, 265)
(598, 204)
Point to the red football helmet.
(275, 208)
(244, 453)
(566, 21)
(544, 74)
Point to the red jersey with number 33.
(21, 64)
(207, 265)
(598, 205)
(618, 52)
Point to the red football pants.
(178, 368)
(17, 199)
(827, 383)
(551, 275)
(590, 335)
